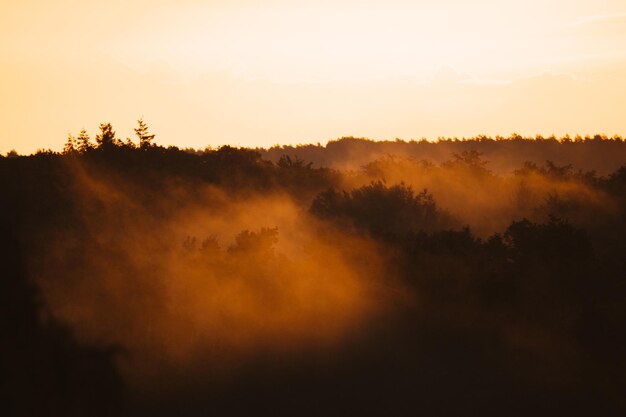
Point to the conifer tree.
(106, 138)
(70, 145)
(145, 138)
(83, 142)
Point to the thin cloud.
(596, 19)
(485, 81)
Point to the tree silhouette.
(471, 160)
(259, 244)
(145, 138)
(382, 210)
(70, 145)
(106, 139)
(83, 142)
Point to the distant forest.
(458, 277)
(590, 153)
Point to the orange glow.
(175, 303)
(256, 74)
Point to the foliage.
(382, 210)
(508, 319)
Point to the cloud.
(611, 27)
(598, 19)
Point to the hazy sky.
(257, 73)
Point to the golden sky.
(255, 73)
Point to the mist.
(159, 281)
(191, 274)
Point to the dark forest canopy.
(398, 278)
(598, 152)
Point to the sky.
(252, 73)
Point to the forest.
(483, 276)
